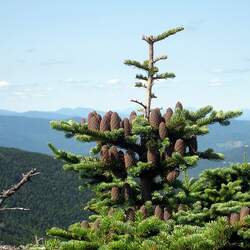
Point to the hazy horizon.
(63, 54)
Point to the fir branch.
(63, 155)
(167, 34)
(115, 137)
(165, 75)
(140, 85)
(141, 77)
(163, 57)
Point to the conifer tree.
(139, 200)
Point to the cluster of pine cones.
(235, 218)
(110, 121)
(165, 214)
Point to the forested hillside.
(52, 196)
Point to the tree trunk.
(146, 187)
(150, 79)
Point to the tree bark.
(146, 187)
(150, 78)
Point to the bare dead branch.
(140, 103)
(14, 209)
(12, 190)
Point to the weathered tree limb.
(12, 190)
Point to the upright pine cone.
(192, 145)
(166, 214)
(168, 114)
(115, 192)
(132, 116)
(163, 130)
(111, 211)
(244, 211)
(130, 214)
(144, 212)
(127, 192)
(113, 152)
(84, 224)
(180, 146)
(129, 158)
(172, 176)
(158, 212)
(126, 127)
(105, 123)
(155, 118)
(234, 218)
(179, 106)
(94, 123)
(153, 156)
(115, 121)
(96, 224)
(104, 154)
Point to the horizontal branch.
(140, 103)
(14, 209)
(12, 190)
(115, 137)
(163, 57)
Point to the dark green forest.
(52, 196)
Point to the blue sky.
(57, 54)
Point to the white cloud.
(4, 83)
(215, 82)
(113, 81)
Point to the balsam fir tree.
(139, 201)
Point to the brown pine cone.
(180, 146)
(155, 118)
(104, 154)
(168, 114)
(105, 124)
(108, 115)
(99, 117)
(166, 214)
(172, 176)
(129, 159)
(234, 218)
(130, 214)
(158, 212)
(179, 106)
(84, 224)
(94, 123)
(144, 212)
(163, 130)
(181, 207)
(192, 145)
(115, 121)
(113, 152)
(127, 192)
(96, 224)
(111, 211)
(132, 116)
(115, 193)
(126, 127)
(244, 211)
(153, 156)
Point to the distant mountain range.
(66, 113)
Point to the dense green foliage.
(216, 194)
(52, 196)
(133, 170)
